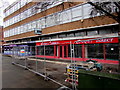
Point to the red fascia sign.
(80, 41)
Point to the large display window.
(94, 51)
(112, 51)
(49, 50)
(77, 50)
(104, 50)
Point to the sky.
(11, 1)
(2, 8)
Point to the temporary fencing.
(25, 56)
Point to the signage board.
(81, 41)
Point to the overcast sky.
(11, 1)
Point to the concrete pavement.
(16, 77)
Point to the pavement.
(16, 77)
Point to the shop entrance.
(63, 51)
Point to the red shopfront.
(104, 50)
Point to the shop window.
(69, 51)
(94, 51)
(77, 51)
(90, 33)
(112, 51)
(40, 50)
(49, 50)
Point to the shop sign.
(100, 40)
(80, 41)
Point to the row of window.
(80, 33)
(19, 30)
(25, 14)
(99, 51)
(99, 31)
(65, 16)
(17, 6)
(19, 17)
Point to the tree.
(110, 9)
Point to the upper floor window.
(43, 23)
(82, 33)
(86, 10)
(70, 35)
(62, 35)
(76, 13)
(67, 16)
(90, 33)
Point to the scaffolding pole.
(73, 62)
(45, 64)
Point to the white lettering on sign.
(105, 40)
(86, 41)
(44, 43)
(54, 43)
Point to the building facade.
(1, 38)
(52, 30)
